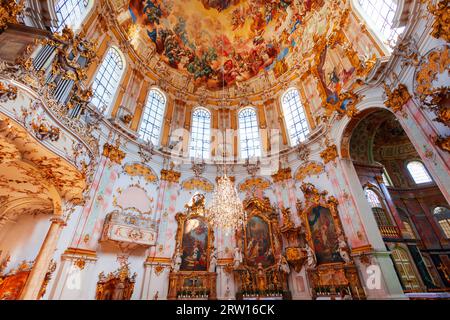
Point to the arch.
(418, 172)
(442, 215)
(379, 17)
(200, 141)
(294, 115)
(249, 138)
(152, 119)
(108, 78)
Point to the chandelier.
(226, 210)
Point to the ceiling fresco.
(219, 43)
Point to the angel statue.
(311, 256)
(177, 261)
(237, 257)
(283, 265)
(212, 261)
(343, 249)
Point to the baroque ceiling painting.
(219, 43)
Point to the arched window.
(152, 119)
(405, 269)
(442, 215)
(408, 229)
(379, 15)
(378, 210)
(200, 134)
(294, 116)
(107, 79)
(249, 140)
(418, 172)
(70, 13)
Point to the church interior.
(224, 150)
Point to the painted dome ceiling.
(220, 43)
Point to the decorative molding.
(282, 174)
(397, 98)
(329, 154)
(308, 169)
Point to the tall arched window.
(418, 172)
(379, 15)
(442, 215)
(378, 210)
(70, 13)
(152, 119)
(200, 134)
(249, 140)
(107, 79)
(294, 116)
(405, 269)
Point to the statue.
(283, 265)
(343, 249)
(177, 261)
(261, 278)
(237, 260)
(213, 261)
(311, 256)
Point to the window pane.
(294, 115)
(418, 172)
(249, 140)
(379, 15)
(70, 13)
(107, 79)
(152, 120)
(200, 134)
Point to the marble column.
(42, 262)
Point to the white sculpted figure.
(311, 257)
(237, 257)
(177, 261)
(343, 249)
(213, 261)
(284, 265)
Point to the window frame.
(387, 214)
(444, 218)
(387, 43)
(258, 138)
(108, 109)
(203, 139)
(146, 107)
(74, 11)
(407, 163)
(300, 108)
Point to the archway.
(397, 181)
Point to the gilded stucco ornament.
(282, 174)
(396, 98)
(7, 92)
(198, 183)
(441, 24)
(329, 154)
(443, 143)
(170, 174)
(308, 169)
(140, 170)
(113, 152)
(9, 10)
(254, 183)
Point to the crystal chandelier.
(226, 210)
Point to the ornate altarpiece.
(259, 275)
(190, 278)
(117, 285)
(334, 269)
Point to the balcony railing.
(390, 232)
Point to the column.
(42, 262)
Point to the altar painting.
(194, 245)
(258, 243)
(323, 235)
